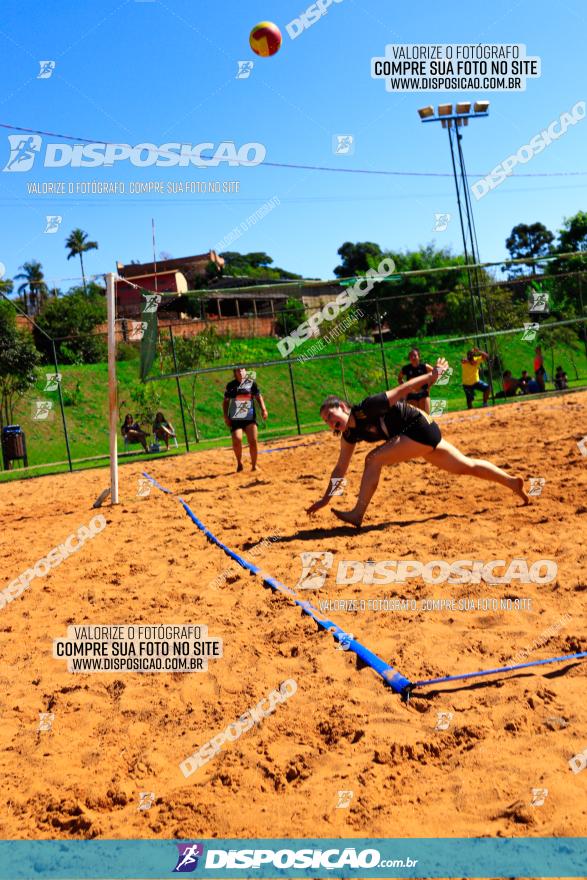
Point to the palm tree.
(35, 281)
(78, 244)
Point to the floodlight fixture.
(445, 110)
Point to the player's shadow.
(208, 477)
(453, 687)
(346, 531)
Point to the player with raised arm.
(406, 433)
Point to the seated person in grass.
(133, 432)
(523, 382)
(510, 385)
(162, 429)
(561, 381)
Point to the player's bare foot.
(349, 516)
(256, 468)
(519, 489)
(239, 467)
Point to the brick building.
(177, 275)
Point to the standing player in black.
(404, 433)
(239, 414)
(415, 367)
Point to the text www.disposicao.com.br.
(135, 664)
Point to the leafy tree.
(35, 282)
(253, 265)
(70, 320)
(73, 396)
(293, 314)
(18, 362)
(146, 398)
(573, 235)
(193, 352)
(77, 243)
(416, 304)
(357, 258)
(530, 241)
(565, 338)
(570, 289)
(339, 331)
(499, 308)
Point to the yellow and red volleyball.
(265, 38)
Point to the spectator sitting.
(133, 433)
(510, 385)
(524, 382)
(162, 429)
(533, 387)
(561, 381)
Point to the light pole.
(453, 122)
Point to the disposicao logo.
(24, 150)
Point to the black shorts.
(418, 395)
(425, 432)
(235, 424)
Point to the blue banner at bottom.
(331, 857)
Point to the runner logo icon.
(187, 860)
(23, 151)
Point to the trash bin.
(13, 446)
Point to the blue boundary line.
(396, 681)
(466, 675)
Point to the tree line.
(433, 303)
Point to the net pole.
(112, 395)
(63, 419)
(381, 342)
(177, 382)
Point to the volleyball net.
(345, 347)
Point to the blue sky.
(132, 72)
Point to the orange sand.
(117, 734)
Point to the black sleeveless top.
(376, 420)
(411, 372)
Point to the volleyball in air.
(265, 38)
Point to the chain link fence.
(64, 415)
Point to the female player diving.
(407, 433)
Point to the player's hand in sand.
(317, 505)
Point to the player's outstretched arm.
(340, 469)
(412, 385)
